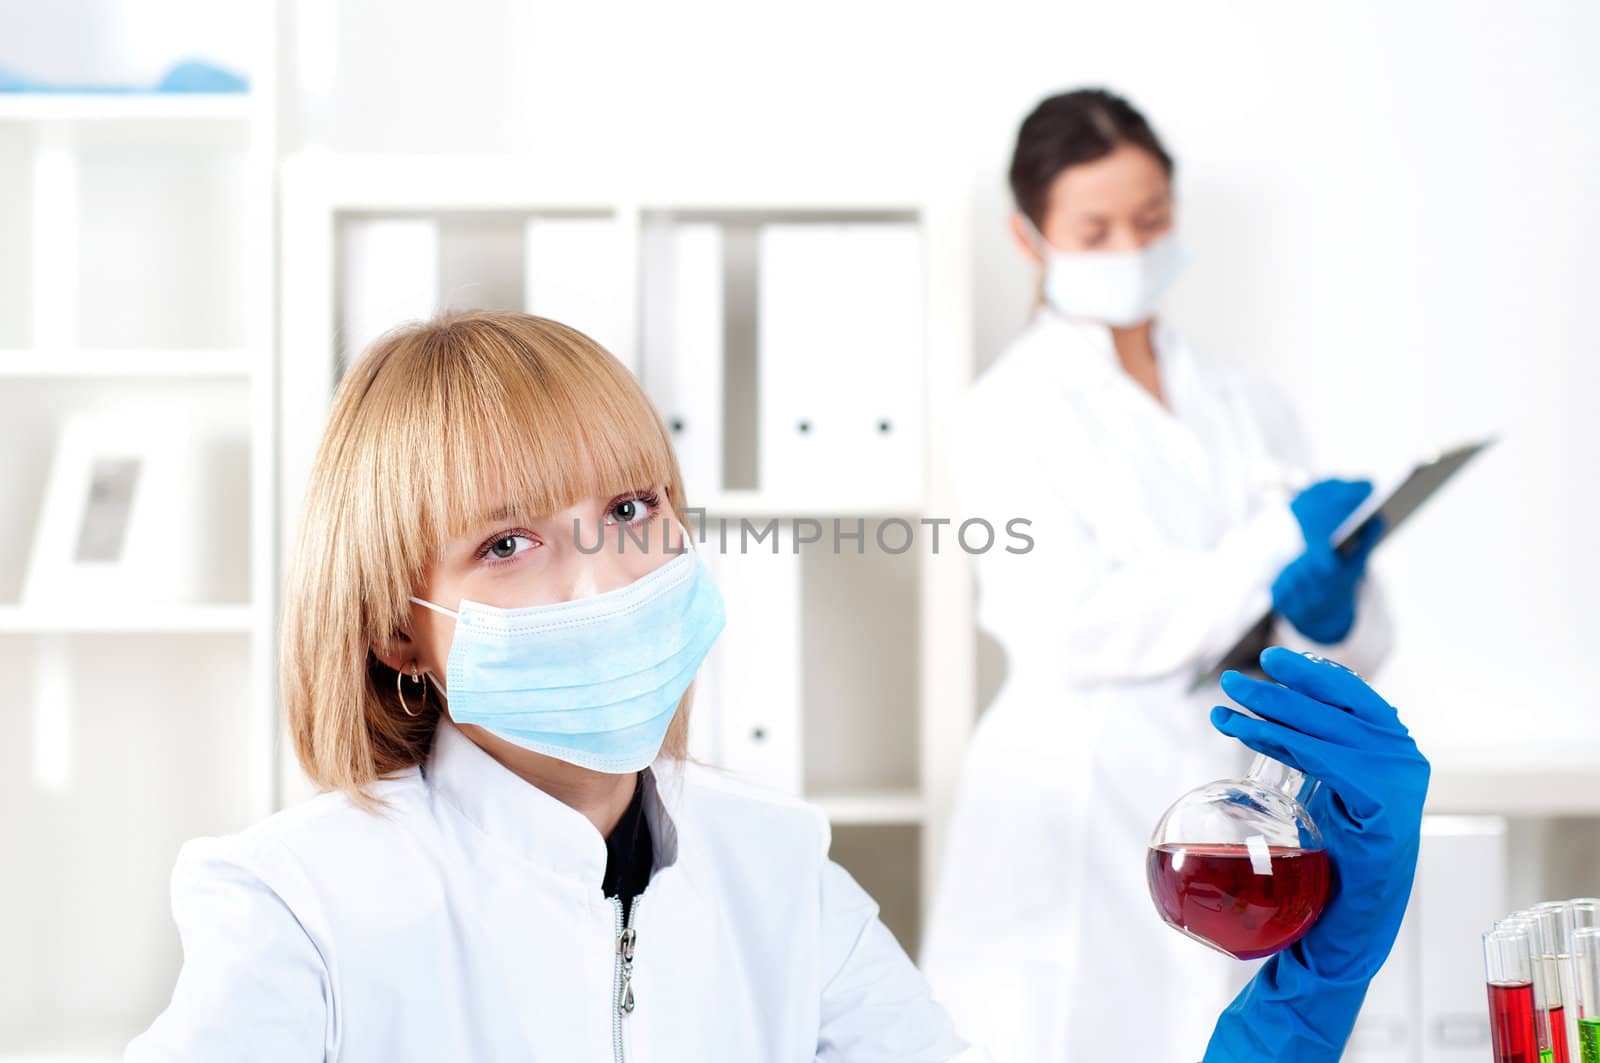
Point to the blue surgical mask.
(593, 681)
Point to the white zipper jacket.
(467, 923)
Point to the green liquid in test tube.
(1579, 912)
(1589, 1041)
(1584, 950)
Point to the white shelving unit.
(131, 107)
(874, 807)
(89, 364)
(140, 238)
(129, 619)
(889, 788)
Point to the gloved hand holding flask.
(1322, 719)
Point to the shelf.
(873, 808)
(778, 504)
(1517, 781)
(123, 106)
(92, 1046)
(130, 619)
(438, 182)
(131, 362)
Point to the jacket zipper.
(622, 980)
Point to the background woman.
(1164, 494)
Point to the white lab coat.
(1157, 534)
(468, 924)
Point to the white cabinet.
(1428, 1002)
(136, 289)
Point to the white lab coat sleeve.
(253, 986)
(876, 1007)
(1371, 637)
(1068, 600)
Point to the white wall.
(1391, 208)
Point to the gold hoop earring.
(400, 690)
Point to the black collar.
(630, 854)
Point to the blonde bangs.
(436, 430)
(493, 411)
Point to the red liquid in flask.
(1511, 1022)
(1214, 893)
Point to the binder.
(681, 364)
(575, 273)
(389, 275)
(884, 425)
(752, 720)
(840, 351)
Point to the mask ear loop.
(688, 539)
(1040, 244)
(451, 613)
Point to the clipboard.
(1393, 507)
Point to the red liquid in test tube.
(1508, 961)
(1559, 1053)
(1511, 1023)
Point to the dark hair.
(1069, 129)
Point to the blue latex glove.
(1325, 721)
(1325, 505)
(1316, 592)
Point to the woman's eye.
(634, 508)
(504, 548)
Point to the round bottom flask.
(1239, 865)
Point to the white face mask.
(1119, 288)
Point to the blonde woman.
(491, 621)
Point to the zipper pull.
(626, 1004)
(625, 943)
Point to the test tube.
(1585, 946)
(1584, 912)
(1527, 921)
(1508, 970)
(1552, 922)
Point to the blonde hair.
(435, 427)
